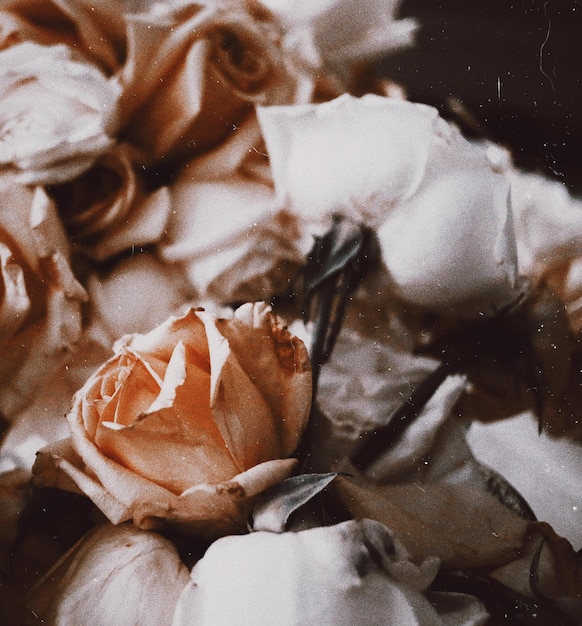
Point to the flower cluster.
(261, 318)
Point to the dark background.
(516, 67)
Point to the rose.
(134, 295)
(548, 226)
(440, 208)
(56, 114)
(224, 232)
(108, 209)
(342, 32)
(355, 572)
(187, 422)
(95, 32)
(115, 574)
(40, 300)
(195, 71)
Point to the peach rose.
(40, 300)
(57, 114)
(187, 422)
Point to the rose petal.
(319, 166)
(431, 519)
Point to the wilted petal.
(548, 569)
(431, 519)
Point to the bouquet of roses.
(262, 319)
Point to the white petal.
(355, 156)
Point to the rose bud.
(439, 206)
(56, 114)
(115, 575)
(188, 422)
(351, 573)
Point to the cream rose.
(57, 114)
(108, 209)
(548, 225)
(136, 294)
(224, 230)
(342, 32)
(40, 299)
(440, 208)
(187, 422)
(194, 72)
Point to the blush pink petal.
(179, 426)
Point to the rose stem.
(336, 265)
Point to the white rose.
(340, 32)
(96, 32)
(114, 575)
(439, 206)
(56, 114)
(548, 226)
(351, 573)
